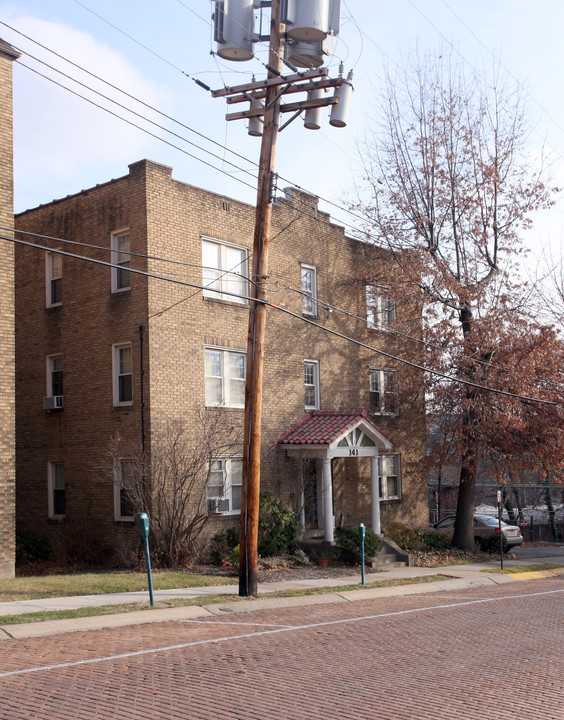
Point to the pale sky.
(64, 144)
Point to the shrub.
(279, 528)
(490, 544)
(223, 543)
(234, 559)
(435, 540)
(348, 544)
(32, 549)
(405, 537)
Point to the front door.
(310, 494)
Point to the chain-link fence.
(537, 508)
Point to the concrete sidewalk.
(458, 577)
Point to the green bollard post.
(362, 534)
(144, 527)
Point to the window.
(121, 260)
(383, 392)
(122, 375)
(225, 476)
(225, 377)
(311, 384)
(225, 271)
(309, 290)
(54, 397)
(390, 477)
(380, 306)
(123, 480)
(53, 279)
(56, 489)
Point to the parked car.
(484, 525)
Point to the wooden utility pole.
(248, 571)
(265, 98)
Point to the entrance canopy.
(328, 435)
(335, 434)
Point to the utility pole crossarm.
(270, 82)
(296, 88)
(289, 107)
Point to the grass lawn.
(178, 602)
(44, 586)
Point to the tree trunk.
(463, 536)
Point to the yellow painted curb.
(537, 574)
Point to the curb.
(141, 617)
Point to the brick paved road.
(486, 653)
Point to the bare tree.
(170, 480)
(450, 191)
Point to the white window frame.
(382, 479)
(117, 374)
(217, 280)
(309, 295)
(54, 479)
(222, 503)
(380, 307)
(224, 376)
(52, 276)
(121, 261)
(50, 361)
(118, 490)
(314, 384)
(388, 393)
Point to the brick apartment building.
(7, 399)
(79, 366)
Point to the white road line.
(291, 628)
(226, 622)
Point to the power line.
(394, 332)
(130, 253)
(168, 117)
(138, 127)
(416, 366)
(266, 302)
(130, 37)
(127, 94)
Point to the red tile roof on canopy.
(323, 428)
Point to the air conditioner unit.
(53, 403)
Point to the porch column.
(327, 489)
(375, 495)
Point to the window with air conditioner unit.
(54, 397)
(223, 491)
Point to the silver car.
(484, 525)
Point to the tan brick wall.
(168, 218)
(83, 330)
(7, 429)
